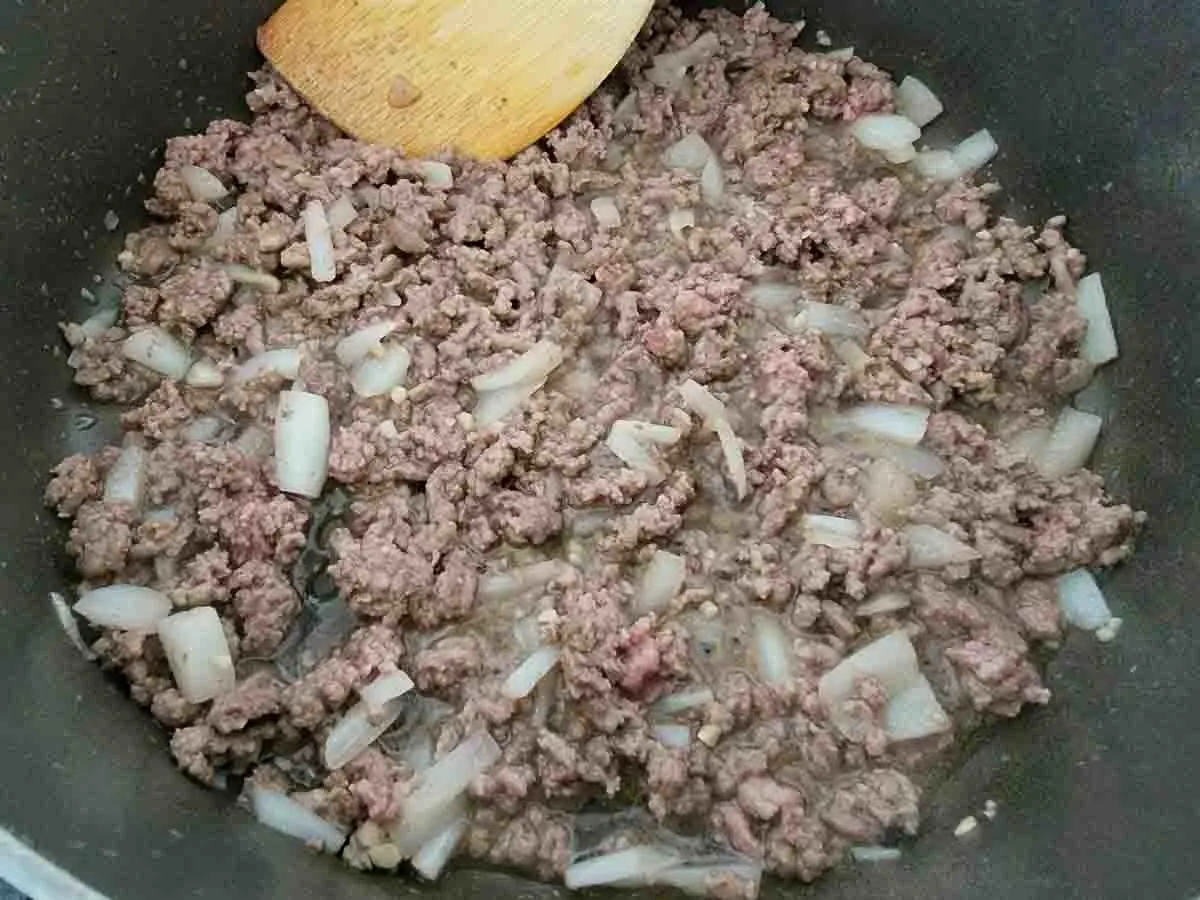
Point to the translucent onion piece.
(975, 152)
(883, 131)
(712, 183)
(284, 361)
(772, 650)
(435, 853)
(691, 152)
(436, 174)
(1030, 442)
(606, 212)
(1099, 345)
(535, 365)
(903, 425)
(932, 548)
(255, 278)
(937, 165)
(669, 69)
(525, 677)
(380, 374)
(832, 320)
(673, 704)
(851, 354)
(126, 480)
(680, 220)
(842, 54)
(383, 689)
(629, 867)
(414, 832)
(836, 532)
(202, 184)
(905, 153)
(198, 653)
(496, 586)
(285, 815)
(226, 228)
(775, 296)
(1081, 600)
(1070, 443)
(357, 346)
(916, 102)
(916, 461)
(204, 374)
(873, 854)
(357, 730)
(731, 447)
(127, 607)
(888, 490)
(452, 774)
(494, 406)
(302, 437)
(702, 402)
(675, 737)
(99, 322)
(915, 713)
(891, 659)
(158, 351)
(322, 263)
(661, 581)
(883, 603)
(342, 213)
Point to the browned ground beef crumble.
(475, 274)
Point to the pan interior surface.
(1094, 108)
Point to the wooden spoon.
(486, 77)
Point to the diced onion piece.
(884, 131)
(606, 212)
(832, 531)
(975, 152)
(731, 447)
(883, 603)
(378, 375)
(342, 213)
(775, 296)
(204, 374)
(772, 650)
(528, 633)
(888, 489)
(1099, 345)
(414, 832)
(302, 443)
(891, 660)
(915, 713)
(651, 432)
(202, 184)
(629, 867)
(436, 174)
(916, 102)
(661, 581)
(435, 853)
(356, 731)
(691, 152)
(127, 607)
(450, 776)
(525, 677)
(198, 653)
(158, 351)
(702, 402)
(932, 548)
(1081, 601)
(851, 354)
(833, 320)
(676, 737)
(493, 406)
(673, 704)
(322, 264)
(697, 878)
(383, 689)
(285, 815)
(70, 626)
(1070, 443)
(938, 165)
(904, 153)
(712, 183)
(1030, 442)
(670, 69)
(842, 54)
(904, 425)
(284, 362)
(535, 365)
(126, 480)
(875, 854)
(625, 446)
(99, 322)
(497, 586)
(916, 461)
(679, 220)
(226, 228)
(254, 278)
(357, 346)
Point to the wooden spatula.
(487, 77)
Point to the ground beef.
(452, 550)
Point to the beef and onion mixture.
(654, 508)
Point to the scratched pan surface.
(1094, 103)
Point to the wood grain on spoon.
(487, 77)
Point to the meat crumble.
(451, 548)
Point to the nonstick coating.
(1094, 103)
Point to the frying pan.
(1095, 105)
